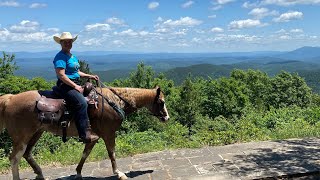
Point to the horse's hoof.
(124, 177)
(40, 177)
(78, 177)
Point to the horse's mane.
(132, 95)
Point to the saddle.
(52, 109)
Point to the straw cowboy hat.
(63, 36)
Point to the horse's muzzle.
(165, 118)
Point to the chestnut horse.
(18, 114)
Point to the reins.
(115, 107)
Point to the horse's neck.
(136, 96)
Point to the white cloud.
(4, 33)
(181, 32)
(181, 44)
(118, 43)
(217, 30)
(53, 29)
(25, 26)
(153, 5)
(144, 33)
(187, 4)
(281, 31)
(159, 19)
(234, 37)
(249, 5)
(212, 16)
(38, 5)
(248, 23)
(215, 8)
(285, 37)
(98, 26)
(184, 21)
(162, 30)
(260, 13)
(128, 32)
(9, 4)
(115, 21)
(27, 37)
(196, 40)
(218, 4)
(92, 42)
(223, 1)
(286, 17)
(296, 30)
(289, 2)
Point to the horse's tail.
(3, 105)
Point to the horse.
(18, 114)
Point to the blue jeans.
(79, 107)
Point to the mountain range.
(115, 64)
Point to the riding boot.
(90, 136)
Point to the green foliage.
(258, 85)
(226, 97)
(84, 67)
(142, 77)
(17, 84)
(247, 106)
(189, 103)
(7, 65)
(289, 89)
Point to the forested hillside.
(308, 71)
(232, 106)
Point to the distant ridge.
(304, 53)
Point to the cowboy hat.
(63, 36)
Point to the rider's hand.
(79, 88)
(95, 77)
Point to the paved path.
(286, 159)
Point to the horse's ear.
(158, 91)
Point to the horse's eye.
(161, 104)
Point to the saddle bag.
(50, 110)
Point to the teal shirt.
(70, 64)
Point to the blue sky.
(161, 26)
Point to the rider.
(67, 70)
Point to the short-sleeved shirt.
(70, 64)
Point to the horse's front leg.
(85, 154)
(110, 144)
(28, 156)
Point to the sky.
(144, 26)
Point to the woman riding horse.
(67, 69)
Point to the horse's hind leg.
(110, 144)
(15, 157)
(85, 154)
(28, 156)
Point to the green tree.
(7, 65)
(22, 84)
(142, 77)
(84, 67)
(226, 97)
(258, 84)
(289, 89)
(189, 105)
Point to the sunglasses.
(66, 41)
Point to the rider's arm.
(64, 78)
(82, 74)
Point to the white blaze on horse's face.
(159, 108)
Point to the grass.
(50, 151)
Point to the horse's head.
(158, 107)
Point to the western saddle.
(52, 109)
